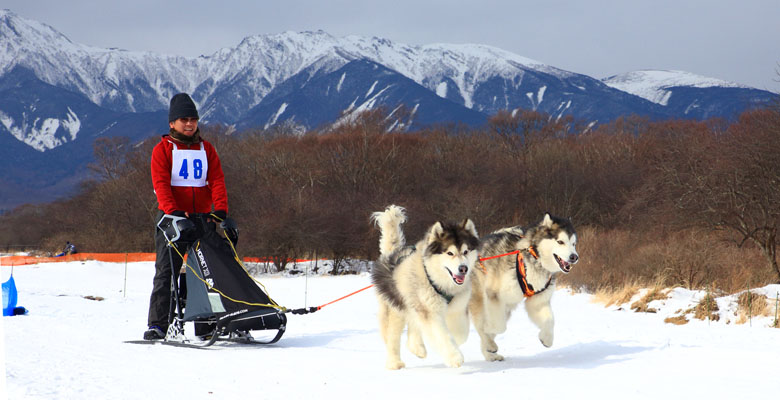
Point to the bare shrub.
(688, 259)
(691, 258)
(607, 261)
(721, 179)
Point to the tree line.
(685, 202)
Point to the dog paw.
(418, 350)
(455, 360)
(394, 364)
(493, 356)
(546, 338)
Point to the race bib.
(189, 167)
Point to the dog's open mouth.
(565, 266)
(458, 279)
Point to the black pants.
(160, 300)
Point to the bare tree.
(110, 154)
(729, 181)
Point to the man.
(188, 179)
(70, 248)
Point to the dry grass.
(775, 321)
(751, 305)
(678, 320)
(655, 293)
(609, 296)
(706, 309)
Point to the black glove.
(176, 229)
(231, 229)
(220, 214)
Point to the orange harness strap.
(528, 290)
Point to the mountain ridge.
(57, 96)
(131, 81)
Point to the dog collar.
(446, 296)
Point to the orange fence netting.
(106, 257)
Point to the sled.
(219, 296)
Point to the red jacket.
(183, 198)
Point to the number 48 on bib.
(197, 169)
(189, 167)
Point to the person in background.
(188, 179)
(70, 248)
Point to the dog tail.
(389, 222)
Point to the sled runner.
(217, 294)
(221, 299)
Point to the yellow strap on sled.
(273, 305)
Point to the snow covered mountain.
(357, 86)
(655, 85)
(687, 95)
(57, 96)
(231, 84)
(112, 78)
(46, 136)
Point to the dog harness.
(528, 290)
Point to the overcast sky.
(734, 40)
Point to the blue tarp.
(9, 298)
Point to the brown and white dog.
(520, 263)
(425, 287)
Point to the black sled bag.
(221, 291)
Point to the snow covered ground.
(71, 347)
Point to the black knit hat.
(182, 106)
